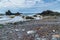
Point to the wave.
(8, 19)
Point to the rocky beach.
(45, 29)
(40, 26)
(29, 19)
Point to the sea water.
(28, 13)
(4, 18)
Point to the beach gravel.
(44, 29)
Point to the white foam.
(11, 20)
(7, 19)
(16, 19)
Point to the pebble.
(17, 30)
(31, 32)
(38, 39)
(23, 29)
(53, 30)
(11, 32)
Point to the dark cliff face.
(10, 13)
(49, 13)
(44, 13)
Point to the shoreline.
(13, 18)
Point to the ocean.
(29, 13)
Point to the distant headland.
(43, 13)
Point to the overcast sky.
(29, 6)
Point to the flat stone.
(11, 32)
(31, 32)
(23, 29)
(17, 30)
